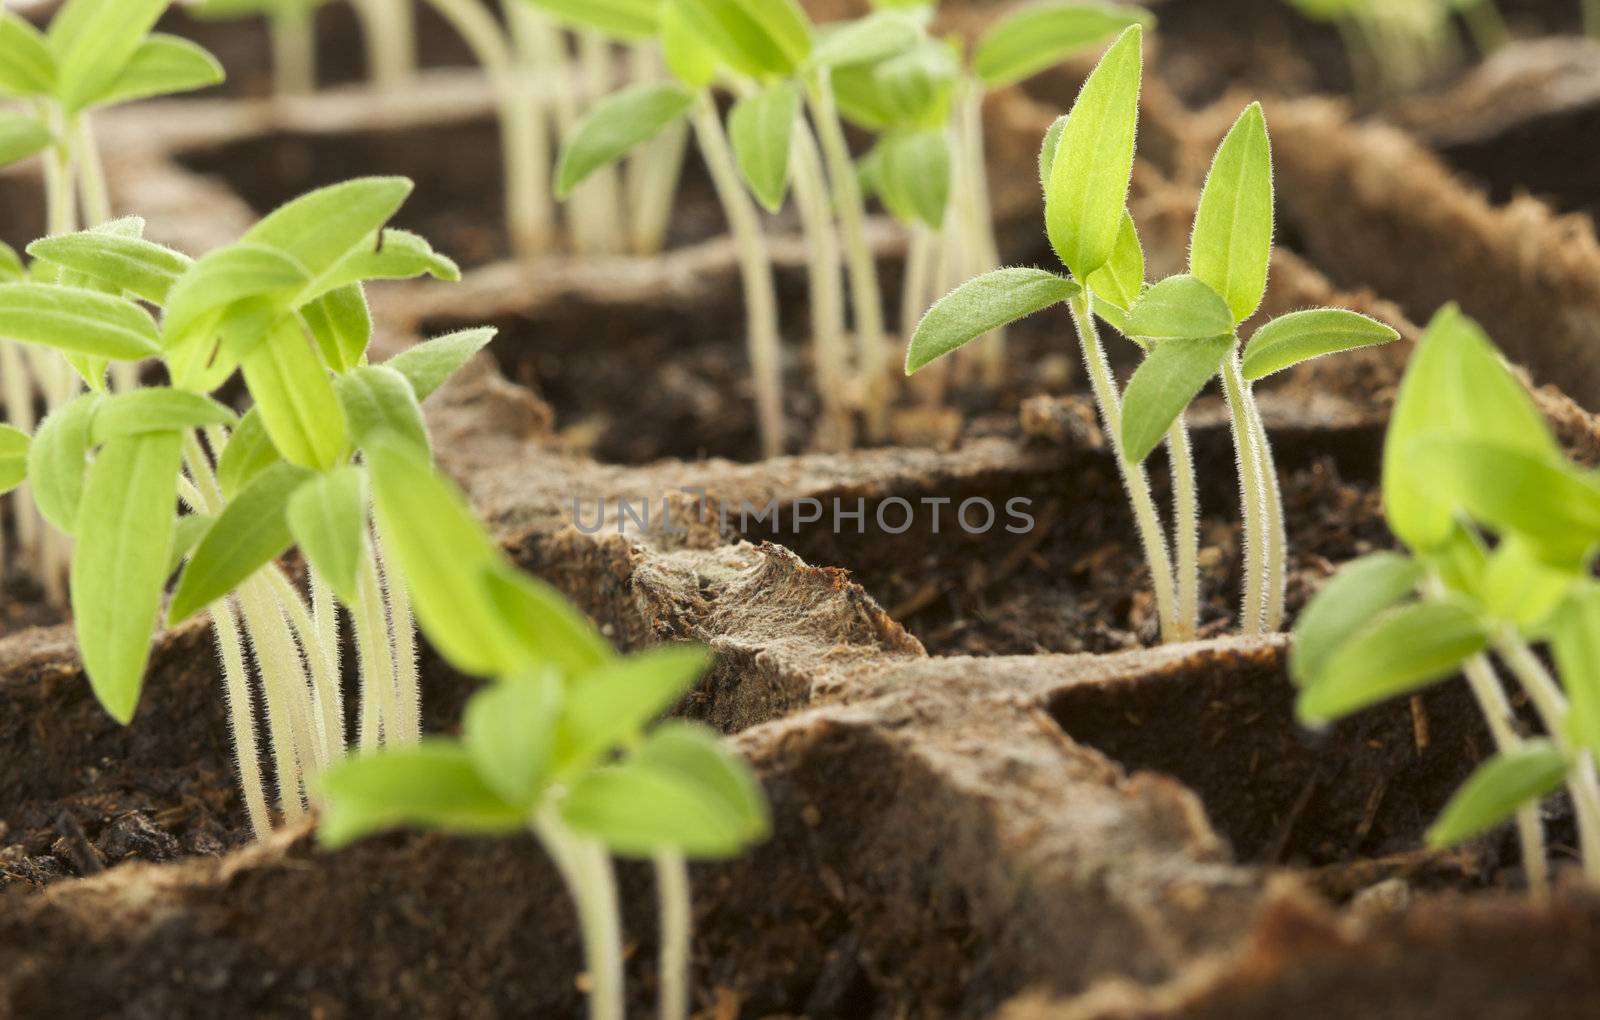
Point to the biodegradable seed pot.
(471, 545)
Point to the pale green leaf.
(914, 175)
(433, 785)
(689, 59)
(550, 630)
(398, 255)
(323, 228)
(609, 707)
(1519, 586)
(1163, 385)
(249, 452)
(982, 305)
(613, 126)
(1121, 280)
(1182, 308)
(878, 36)
(1492, 794)
(430, 363)
(93, 42)
(296, 399)
(1352, 599)
(163, 65)
(156, 409)
(759, 38)
(225, 277)
(1575, 643)
(1301, 336)
(509, 731)
(14, 444)
(1232, 241)
(59, 457)
(142, 268)
(75, 320)
(760, 127)
(10, 264)
(378, 400)
(624, 19)
(341, 326)
(327, 518)
(1037, 37)
(187, 531)
(27, 67)
(21, 136)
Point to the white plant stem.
(825, 279)
(1275, 531)
(654, 170)
(327, 710)
(872, 345)
(294, 52)
(92, 190)
(755, 269)
(61, 214)
(1185, 529)
(672, 892)
(1252, 499)
(597, 230)
(241, 715)
(1134, 479)
(275, 668)
(585, 867)
(390, 34)
(1491, 697)
(977, 218)
(325, 622)
(376, 658)
(403, 633)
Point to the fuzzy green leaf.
(341, 325)
(27, 67)
(981, 305)
(613, 126)
(296, 399)
(224, 277)
(399, 255)
(323, 228)
(1402, 650)
(509, 731)
(550, 630)
(610, 706)
(1093, 165)
(156, 409)
(59, 457)
(1232, 240)
(187, 531)
(328, 520)
(75, 320)
(10, 264)
(20, 136)
(914, 175)
(1034, 38)
(163, 65)
(1179, 308)
(689, 59)
(377, 400)
(758, 38)
(430, 363)
(876, 37)
(1352, 599)
(1492, 794)
(94, 41)
(761, 127)
(123, 532)
(143, 268)
(1518, 585)
(1121, 280)
(14, 444)
(433, 785)
(443, 553)
(624, 19)
(251, 532)
(1575, 642)
(249, 452)
(911, 90)
(1301, 336)
(1164, 384)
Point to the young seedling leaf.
(119, 565)
(1093, 164)
(551, 630)
(399, 255)
(14, 445)
(93, 42)
(323, 228)
(1164, 384)
(10, 264)
(624, 19)
(1121, 280)
(296, 399)
(378, 400)
(251, 531)
(609, 707)
(163, 65)
(248, 453)
(1519, 586)
(1575, 642)
(187, 531)
(1492, 794)
(613, 126)
(226, 277)
(1402, 650)
(911, 90)
(75, 320)
(981, 305)
(27, 67)
(1347, 604)
(1454, 386)
(758, 38)
(21, 136)
(689, 59)
(1301, 336)
(702, 755)
(635, 810)
(443, 554)
(761, 127)
(1232, 240)
(876, 37)
(328, 521)
(509, 731)
(914, 175)
(58, 459)
(156, 409)
(1034, 38)
(430, 363)
(142, 268)
(433, 785)
(341, 326)
(1180, 308)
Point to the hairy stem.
(275, 667)
(403, 633)
(376, 657)
(1134, 479)
(327, 709)
(1275, 533)
(294, 52)
(755, 269)
(586, 869)
(325, 622)
(872, 346)
(672, 890)
(241, 714)
(1185, 529)
(1496, 709)
(1251, 495)
(825, 278)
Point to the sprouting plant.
(559, 744)
(1401, 44)
(1501, 532)
(284, 307)
(389, 32)
(1187, 324)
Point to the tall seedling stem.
(294, 51)
(824, 274)
(390, 34)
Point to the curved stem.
(755, 267)
(585, 867)
(327, 713)
(1275, 533)
(825, 278)
(1134, 479)
(1496, 709)
(872, 348)
(672, 890)
(1251, 498)
(1185, 529)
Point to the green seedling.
(1469, 457)
(389, 32)
(285, 308)
(561, 744)
(1400, 45)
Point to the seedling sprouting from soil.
(560, 744)
(285, 307)
(1501, 532)
(1187, 324)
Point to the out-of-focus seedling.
(1468, 454)
(1398, 45)
(561, 744)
